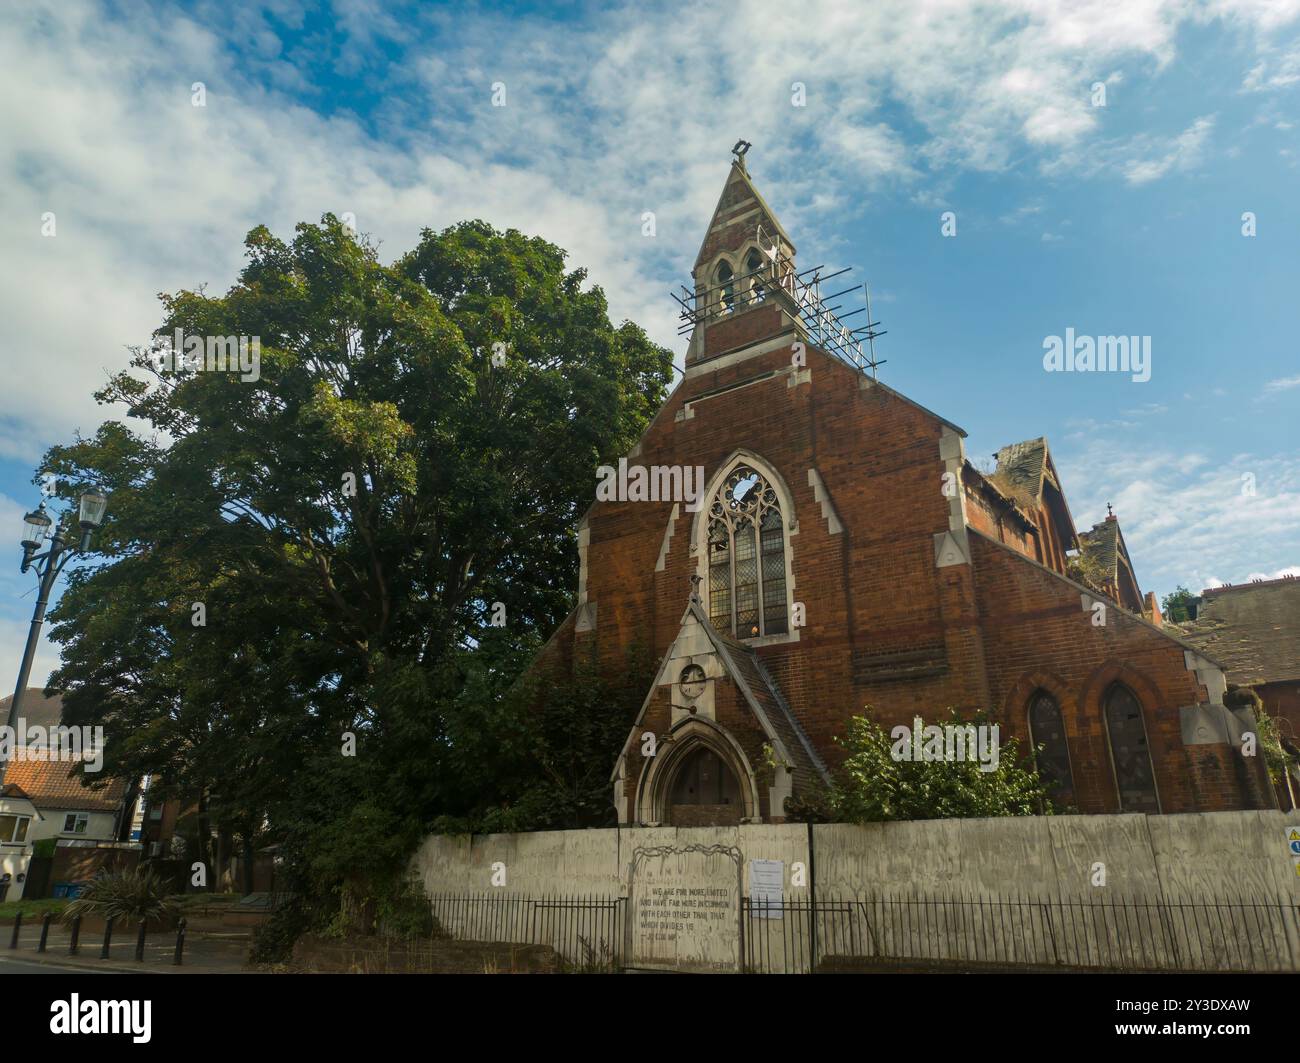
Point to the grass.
(185, 901)
(32, 908)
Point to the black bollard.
(108, 938)
(18, 922)
(45, 931)
(76, 935)
(180, 943)
(139, 941)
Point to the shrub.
(875, 785)
(129, 893)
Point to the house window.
(747, 582)
(75, 823)
(1047, 729)
(13, 829)
(1128, 747)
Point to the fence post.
(45, 931)
(18, 922)
(108, 937)
(139, 940)
(180, 943)
(812, 902)
(76, 935)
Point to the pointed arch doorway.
(704, 791)
(700, 778)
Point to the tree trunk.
(248, 856)
(205, 839)
(128, 807)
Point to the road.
(11, 966)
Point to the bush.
(273, 941)
(876, 785)
(132, 894)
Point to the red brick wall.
(1044, 638)
(885, 627)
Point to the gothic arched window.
(1128, 747)
(753, 269)
(1047, 729)
(747, 557)
(726, 286)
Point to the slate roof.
(48, 785)
(39, 710)
(1253, 628)
(1024, 463)
(767, 702)
(1103, 543)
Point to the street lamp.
(37, 527)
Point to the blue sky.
(1123, 219)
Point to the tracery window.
(747, 557)
(1047, 729)
(1128, 747)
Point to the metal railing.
(585, 931)
(965, 932)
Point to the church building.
(815, 544)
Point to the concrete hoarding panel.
(684, 886)
(1204, 854)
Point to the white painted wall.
(14, 859)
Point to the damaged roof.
(1253, 628)
(1024, 463)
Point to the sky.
(1098, 166)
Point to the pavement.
(214, 950)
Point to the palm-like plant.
(130, 893)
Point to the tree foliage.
(1180, 605)
(876, 784)
(348, 522)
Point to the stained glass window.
(1047, 729)
(747, 595)
(1128, 748)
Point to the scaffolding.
(820, 315)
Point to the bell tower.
(748, 295)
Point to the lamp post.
(48, 565)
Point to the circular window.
(692, 681)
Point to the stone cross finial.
(696, 580)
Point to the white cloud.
(1274, 72)
(1282, 384)
(1183, 152)
(152, 194)
(1289, 570)
(1187, 519)
(624, 112)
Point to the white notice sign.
(766, 888)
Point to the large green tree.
(322, 551)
